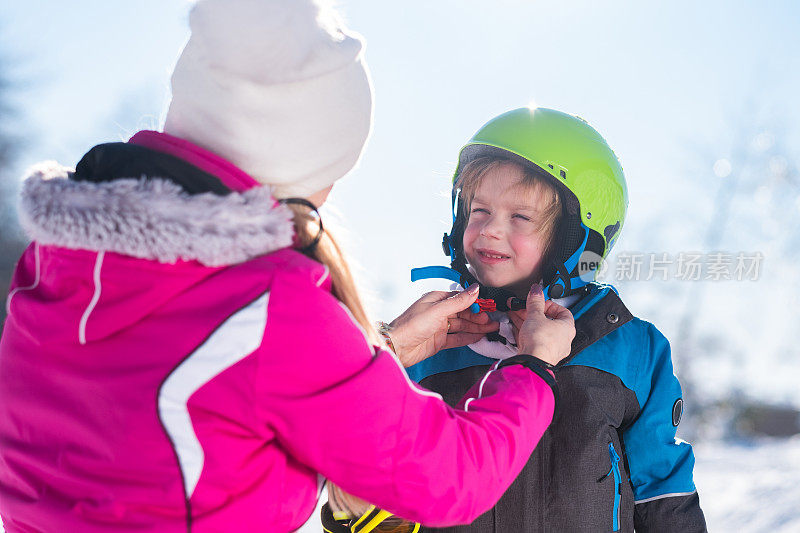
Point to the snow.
(750, 486)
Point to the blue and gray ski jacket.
(610, 460)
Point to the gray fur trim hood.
(151, 218)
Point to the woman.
(182, 352)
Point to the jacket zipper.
(617, 485)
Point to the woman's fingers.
(518, 317)
(458, 325)
(536, 302)
(551, 307)
(456, 340)
(478, 318)
(458, 301)
(556, 311)
(424, 325)
(437, 296)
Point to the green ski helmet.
(571, 155)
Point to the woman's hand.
(543, 329)
(437, 321)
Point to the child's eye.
(522, 217)
(478, 210)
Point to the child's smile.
(491, 256)
(502, 241)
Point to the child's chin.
(498, 283)
(519, 288)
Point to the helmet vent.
(561, 171)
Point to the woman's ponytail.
(327, 252)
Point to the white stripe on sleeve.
(235, 339)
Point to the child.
(539, 196)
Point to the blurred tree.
(757, 210)
(731, 333)
(12, 241)
(8, 141)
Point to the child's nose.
(492, 228)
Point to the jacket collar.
(597, 314)
(114, 161)
(229, 174)
(134, 200)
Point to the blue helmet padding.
(441, 272)
(569, 266)
(455, 196)
(572, 262)
(577, 282)
(436, 271)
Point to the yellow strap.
(362, 517)
(365, 527)
(372, 524)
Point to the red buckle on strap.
(486, 304)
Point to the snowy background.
(698, 99)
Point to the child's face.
(502, 241)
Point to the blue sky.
(666, 83)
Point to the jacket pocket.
(617, 485)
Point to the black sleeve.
(671, 514)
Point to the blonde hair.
(328, 252)
(343, 287)
(471, 176)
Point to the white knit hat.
(277, 87)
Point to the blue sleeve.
(661, 465)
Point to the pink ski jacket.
(170, 363)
